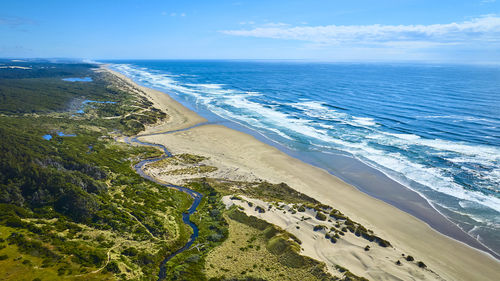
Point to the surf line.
(186, 216)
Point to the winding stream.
(195, 195)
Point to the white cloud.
(275, 24)
(176, 14)
(484, 29)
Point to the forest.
(70, 201)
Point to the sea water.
(432, 128)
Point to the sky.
(454, 31)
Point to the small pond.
(61, 134)
(78, 79)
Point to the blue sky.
(328, 30)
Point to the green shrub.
(320, 216)
(319, 227)
(15, 221)
(341, 269)
(130, 251)
(270, 232)
(383, 243)
(295, 238)
(215, 237)
(260, 209)
(193, 259)
(248, 220)
(112, 266)
(277, 245)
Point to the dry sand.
(377, 263)
(242, 155)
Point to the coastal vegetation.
(213, 230)
(258, 249)
(282, 193)
(73, 206)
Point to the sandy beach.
(240, 156)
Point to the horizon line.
(446, 62)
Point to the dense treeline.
(33, 174)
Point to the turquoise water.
(61, 134)
(432, 128)
(76, 79)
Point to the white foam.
(366, 121)
(481, 154)
(207, 86)
(433, 178)
(280, 133)
(405, 136)
(318, 110)
(326, 126)
(276, 118)
(473, 230)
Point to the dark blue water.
(432, 128)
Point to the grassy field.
(16, 264)
(248, 252)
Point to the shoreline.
(269, 163)
(363, 177)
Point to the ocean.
(432, 128)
